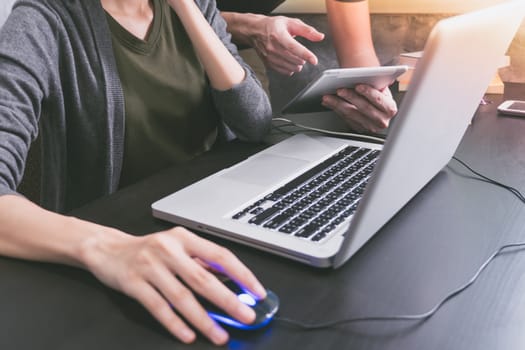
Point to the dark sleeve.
(245, 108)
(252, 6)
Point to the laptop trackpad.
(264, 169)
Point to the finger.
(282, 66)
(273, 48)
(280, 70)
(349, 113)
(161, 310)
(208, 285)
(295, 48)
(183, 300)
(377, 117)
(380, 99)
(297, 27)
(222, 296)
(275, 62)
(283, 54)
(224, 261)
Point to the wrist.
(98, 242)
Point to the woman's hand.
(164, 270)
(363, 108)
(222, 69)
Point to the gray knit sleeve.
(26, 42)
(245, 108)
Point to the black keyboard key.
(289, 228)
(319, 236)
(277, 221)
(256, 211)
(307, 230)
(262, 217)
(239, 215)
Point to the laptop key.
(239, 215)
(262, 217)
(276, 221)
(319, 236)
(289, 228)
(307, 231)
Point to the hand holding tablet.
(329, 81)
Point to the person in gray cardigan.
(69, 73)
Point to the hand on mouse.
(158, 270)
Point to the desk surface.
(431, 247)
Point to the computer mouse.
(264, 309)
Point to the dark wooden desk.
(430, 248)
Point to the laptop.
(281, 201)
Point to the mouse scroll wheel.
(247, 299)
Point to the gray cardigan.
(58, 78)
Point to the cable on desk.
(288, 122)
(492, 181)
(414, 317)
(425, 315)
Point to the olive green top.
(169, 112)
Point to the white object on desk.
(512, 107)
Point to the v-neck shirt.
(170, 116)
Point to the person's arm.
(349, 23)
(160, 270)
(273, 37)
(221, 67)
(242, 102)
(363, 108)
(149, 268)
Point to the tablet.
(327, 83)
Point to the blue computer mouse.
(264, 309)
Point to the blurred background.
(397, 26)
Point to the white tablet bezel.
(328, 81)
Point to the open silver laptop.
(253, 201)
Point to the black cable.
(413, 317)
(492, 181)
(425, 315)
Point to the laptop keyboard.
(315, 203)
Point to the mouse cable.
(413, 317)
(288, 122)
(425, 315)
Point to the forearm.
(29, 232)
(222, 68)
(351, 31)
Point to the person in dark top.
(273, 37)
